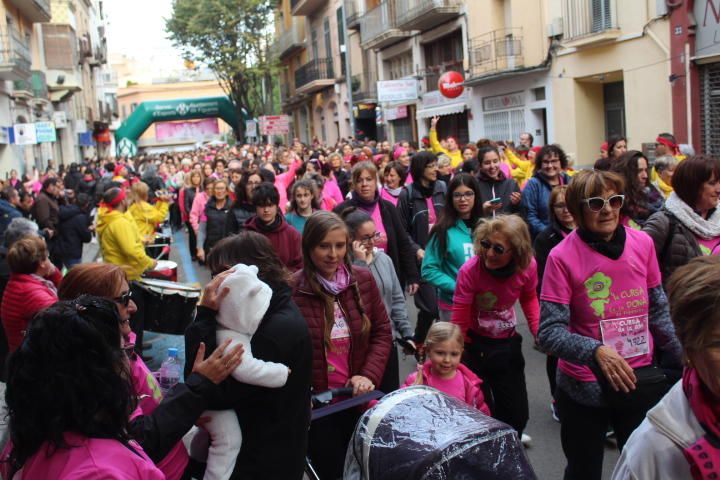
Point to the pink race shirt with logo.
(492, 298)
(381, 243)
(432, 216)
(338, 356)
(709, 247)
(608, 298)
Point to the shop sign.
(397, 90)
(396, 113)
(60, 119)
(275, 125)
(45, 132)
(450, 84)
(24, 134)
(4, 135)
(707, 15)
(437, 99)
(504, 102)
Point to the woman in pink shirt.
(502, 272)
(197, 211)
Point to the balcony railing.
(432, 74)
(496, 51)
(14, 57)
(317, 69)
(378, 27)
(426, 14)
(354, 10)
(290, 41)
(582, 18)
(364, 87)
(37, 11)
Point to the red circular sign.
(450, 84)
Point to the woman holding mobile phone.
(499, 194)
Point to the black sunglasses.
(124, 299)
(497, 248)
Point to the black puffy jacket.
(72, 232)
(413, 209)
(215, 226)
(675, 244)
(236, 218)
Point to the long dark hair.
(317, 226)
(241, 198)
(69, 375)
(635, 198)
(308, 185)
(250, 248)
(450, 216)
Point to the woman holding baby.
(349, 327)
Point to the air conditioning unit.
(555, 27)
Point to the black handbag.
(652, 384)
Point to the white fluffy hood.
(243, 308)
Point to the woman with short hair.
(550, 164)
(605, 316)
(689, 224)
(663, 170)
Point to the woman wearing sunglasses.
(451, 244)
(502, 272)
(363, 234)
(604, 313)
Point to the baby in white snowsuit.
(240, 314)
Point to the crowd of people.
(344, 236)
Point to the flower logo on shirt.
(154, 387)
(705, 250)
(598, 290)
(486, 300)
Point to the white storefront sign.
(60, 119)
(275, 125)
(504, 102)
(45, 132)
(397, 90)
(25, 134)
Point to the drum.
(169, 306)
(164, 270)
(160, 248)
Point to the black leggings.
(582, 433)
(137, 320)
(501, 366)
(192, 240)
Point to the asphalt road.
(545, 451)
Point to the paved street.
(545, 451)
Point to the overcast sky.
(137, 29)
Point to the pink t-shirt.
(432, 216)
(381, 243)
(608, 298)
(385, 195)
(492, 298)
(90, 459)
(338, 356)
(709, 247)
(455, 386)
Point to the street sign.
(25, 134)
(274, 125)
(397, 90)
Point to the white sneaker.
(525, 439)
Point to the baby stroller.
(421, 433)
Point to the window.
(601, 17)
(60, 46)
(400, 66)
(341, 40)
(506, 125)
(328, 43)
(443, 55)
(314, 43)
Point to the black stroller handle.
(324, 398)
(329, 409)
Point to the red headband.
(668, 143)
(115, 201)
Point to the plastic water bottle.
(169, 371)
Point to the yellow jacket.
(121, 243)
(147, 217)
(523, 169)
(456, 158)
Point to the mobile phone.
(496, 200)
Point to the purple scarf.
(338, 284)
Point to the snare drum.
(164, 270)
(159, 249)
(169, 306)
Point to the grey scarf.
(706, 229)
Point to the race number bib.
(497, 323)
(628, 336)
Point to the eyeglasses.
(371, 238)
(124, 299)
(597, 204)
(497, 248)
(459, 195)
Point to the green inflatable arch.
(147, 113)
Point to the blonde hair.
(515, 231)
(442, 332)
(444, 161)
(139, 192)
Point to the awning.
(442, 110)
(60, 95)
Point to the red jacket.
(24, 296)
(286, 241)
(366, 358)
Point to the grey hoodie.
(386, 278)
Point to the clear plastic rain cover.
(420, 433)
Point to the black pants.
(137, 320)
(328, 441)
(582, 433)
(426, 302)
(501, 366)
(391, 379)
(192, 240)
(551, 369)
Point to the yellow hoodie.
(121, 244)
(456, 158)
(147, 217)
(523, 169)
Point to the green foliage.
(231, 38)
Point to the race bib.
(497, 323)
(628, 336)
